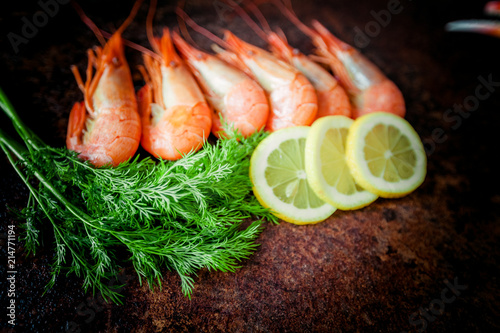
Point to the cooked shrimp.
(105, 129)
(332, 98)
(292, 98)
(369, 89)
(237, 98)
(176, 118)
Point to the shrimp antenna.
(317, 34)
(320, 59)
(281, 34)
(182, 25)
(290, 14)
(199, 29)
(130, 17)
(260, 17)
(149, 26)
(89, 23)
(149, 31)
(251, 23)
(132, 45)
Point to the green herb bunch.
(183, 215)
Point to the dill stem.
(23, 131)
(32, 190)
(7, 142)
(185, 237)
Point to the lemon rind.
(263, 191)
(316, 180)
(359, 167)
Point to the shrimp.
(236, 97)
(332, 98)
(369, 89)
(176, 118)
(292, 98)
(105, 129)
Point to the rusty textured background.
(367, 270)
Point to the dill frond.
(184, 215)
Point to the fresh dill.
(184, 215)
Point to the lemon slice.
(326, 165)
(385, 155)
(279, 178)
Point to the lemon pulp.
(327, 168)
(277, 170)
(385, 155)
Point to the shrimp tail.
(485, 27)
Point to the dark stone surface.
(367, 270)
